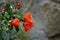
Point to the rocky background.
(51, 11)
(46, 16)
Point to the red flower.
(28, 26)
(10, 24)
(18, 5)
(15, 22)
(3, 10)
(27, 17)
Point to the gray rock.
(57, 1)
(52, 14)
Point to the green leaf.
(19, 15)
(1, 38)
(1, 31)
(22, 35)
(10, 28)
(17, 28)
(8, 8)
(7, 16)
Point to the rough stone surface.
(52, 15)
(57, 1)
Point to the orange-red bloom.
(15, 22)
(28, 25)
(27, 17)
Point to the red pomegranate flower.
(28, 26)
(10, 24)
(15, 22)
(3, 10)
(18, 5)
(27, 17)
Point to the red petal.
(27, 16)
(10, 24)
(28, 25)
(3, 9)
(16, 22)
(19, 4)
